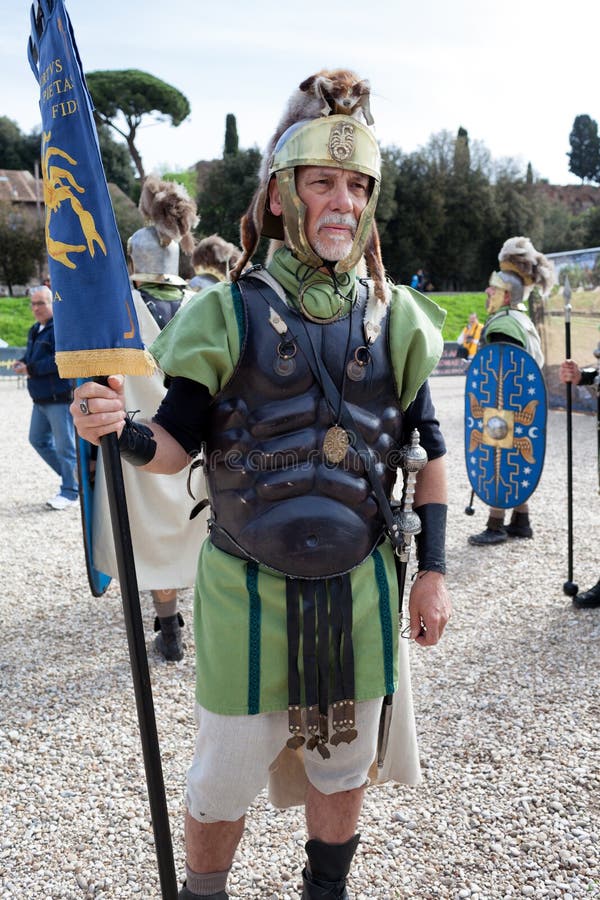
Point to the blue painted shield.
(86, 469)
(505, 424)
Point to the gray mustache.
(338, 219)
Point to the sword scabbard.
(414, 458)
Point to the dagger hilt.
(414, 458)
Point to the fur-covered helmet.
(214, 254)
(318, 128)
(521, 268)
(339, 142)
(170, 213)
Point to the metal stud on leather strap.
(295, 727)
(344, 722)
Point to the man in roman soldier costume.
(590, 376)
(165, 542)
(522, 268)
(302, 383)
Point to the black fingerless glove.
(137, 444)
(431, 542)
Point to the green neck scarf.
(171, 292)
(311, 290)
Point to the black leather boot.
(169, 642)
(519, 526)
(495, 533)
(323, 890)
(328, 866)
(589, 599)
(184, 894)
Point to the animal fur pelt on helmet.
(328, 92)
(214, 252)
(518, 255)
(168, 206)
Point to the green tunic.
(239, 612)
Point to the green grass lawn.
(16, 318)
(458, 308)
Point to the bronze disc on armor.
(355, 371)
(284, 366)
(335, 444)
(357, 367)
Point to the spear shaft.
(569, 587)
(139, 665)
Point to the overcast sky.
(514, 75)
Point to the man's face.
(496, 298)
(334, 200)
(41, 308)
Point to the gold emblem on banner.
(60, 186)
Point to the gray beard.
(330, 251)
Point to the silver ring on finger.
(84, 407)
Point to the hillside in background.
(576, 197)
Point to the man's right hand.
(569, 372)
(105, 408)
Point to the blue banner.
(95, 323)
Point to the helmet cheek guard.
(363, 231)
(293, 213)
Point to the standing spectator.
(51, 432)
(417, 282)
(469, 338)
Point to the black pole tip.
(469, 510)
(570, 588)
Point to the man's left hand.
(429, 607)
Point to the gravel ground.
(507, 709)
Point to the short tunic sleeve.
(202, 342)
(416, 342)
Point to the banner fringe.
(111, 361)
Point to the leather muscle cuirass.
(275, 496)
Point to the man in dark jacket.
(51, 431)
